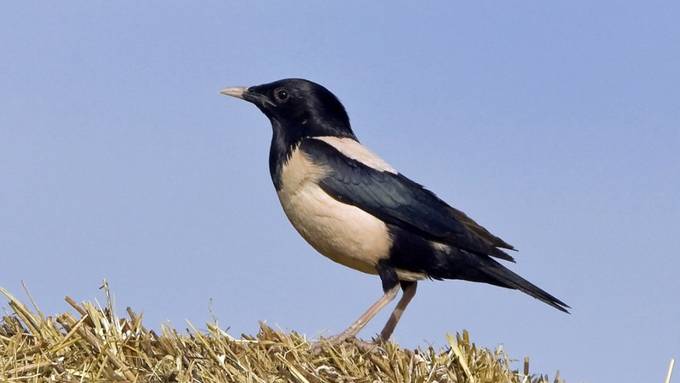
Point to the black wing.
(397, 200)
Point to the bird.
(356, 209)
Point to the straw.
(92, 343)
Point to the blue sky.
(554, 124)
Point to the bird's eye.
(281, 95)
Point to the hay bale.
(94, 344)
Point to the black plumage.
(399, 201)
(358, 211)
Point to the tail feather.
(472, 267)
(508, 278)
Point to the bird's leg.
(366, 317)
(390, 284)
(409, 292)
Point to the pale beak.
(237, 92)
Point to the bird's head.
(300, 108)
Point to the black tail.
(472, 267)
(506, 278)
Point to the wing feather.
(397, 200)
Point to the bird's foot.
(362, 345)
(373, 346)
(322, 343)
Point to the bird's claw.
(364, 346)
(319, 345)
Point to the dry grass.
(93, 344)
